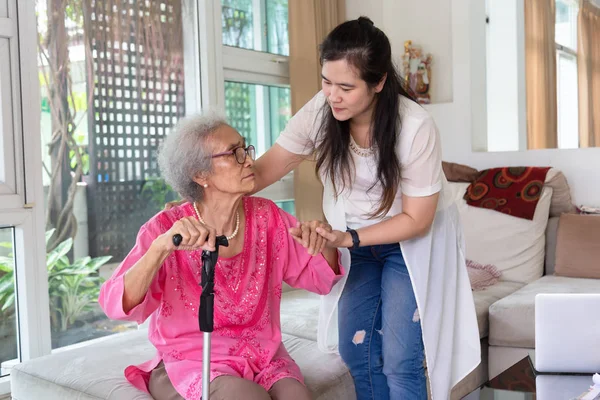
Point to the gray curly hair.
(184, 153)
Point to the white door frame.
(23, 208)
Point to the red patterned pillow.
(514, 191)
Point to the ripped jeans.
(379, 326)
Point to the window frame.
(23, 209)
(260, 68)
(562, 51)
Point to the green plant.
(73, 287)
(7, 292)
(156, 192)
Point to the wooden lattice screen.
(136, 98)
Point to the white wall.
(403, 21)
(505, 76)
(455, 119)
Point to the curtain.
(588, 65)
(309, 22)
(540, 73)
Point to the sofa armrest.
(551, 232)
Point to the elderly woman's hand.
(195, 236)
(307, 234)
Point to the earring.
(205, 185)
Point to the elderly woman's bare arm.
(137, 280)
(331, 256)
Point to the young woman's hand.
(335, 238)
(307, 234)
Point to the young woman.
(406, 298)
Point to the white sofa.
(95, 371)
(512, 328)
(525, 253)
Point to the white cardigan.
(436, 261)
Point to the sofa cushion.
(300, 309)
(551, 233)
(512, 319)
(300, 314)
(514, 245)
(95, 371)
(325, 375)
(578, 246)
(561, 193)
(488, 296)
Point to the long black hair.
(368, 50)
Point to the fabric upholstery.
(300, 314)
(561, 194)
(513, 245)
(488, 296)
(501, 358)
(551, 232)
(90, 372)
(95, 371)
(578, 246)
(512, 319)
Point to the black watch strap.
(355, 239)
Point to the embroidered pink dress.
(246, 341)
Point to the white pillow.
(516, 246)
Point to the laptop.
(567, 333)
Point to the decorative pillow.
(515, 246)
(578, 246)
(458, 172)
(561, 194)
(511, 190)
(482, 276)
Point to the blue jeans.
(380, 330)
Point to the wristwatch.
(355, 239)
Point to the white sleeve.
(421, 174)
(300, 133)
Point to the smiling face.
(349, 96)
(228, 175)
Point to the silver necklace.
(360, 151)
(237, 222)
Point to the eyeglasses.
(240, 153)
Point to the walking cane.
(207, 305)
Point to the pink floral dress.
(246, 341)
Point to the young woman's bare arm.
(276, 163)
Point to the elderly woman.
(208, 162)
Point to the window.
(9, 345)
(566, 73)
(257, 94)
(258, 112)
(260, 25)
(119, 93)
